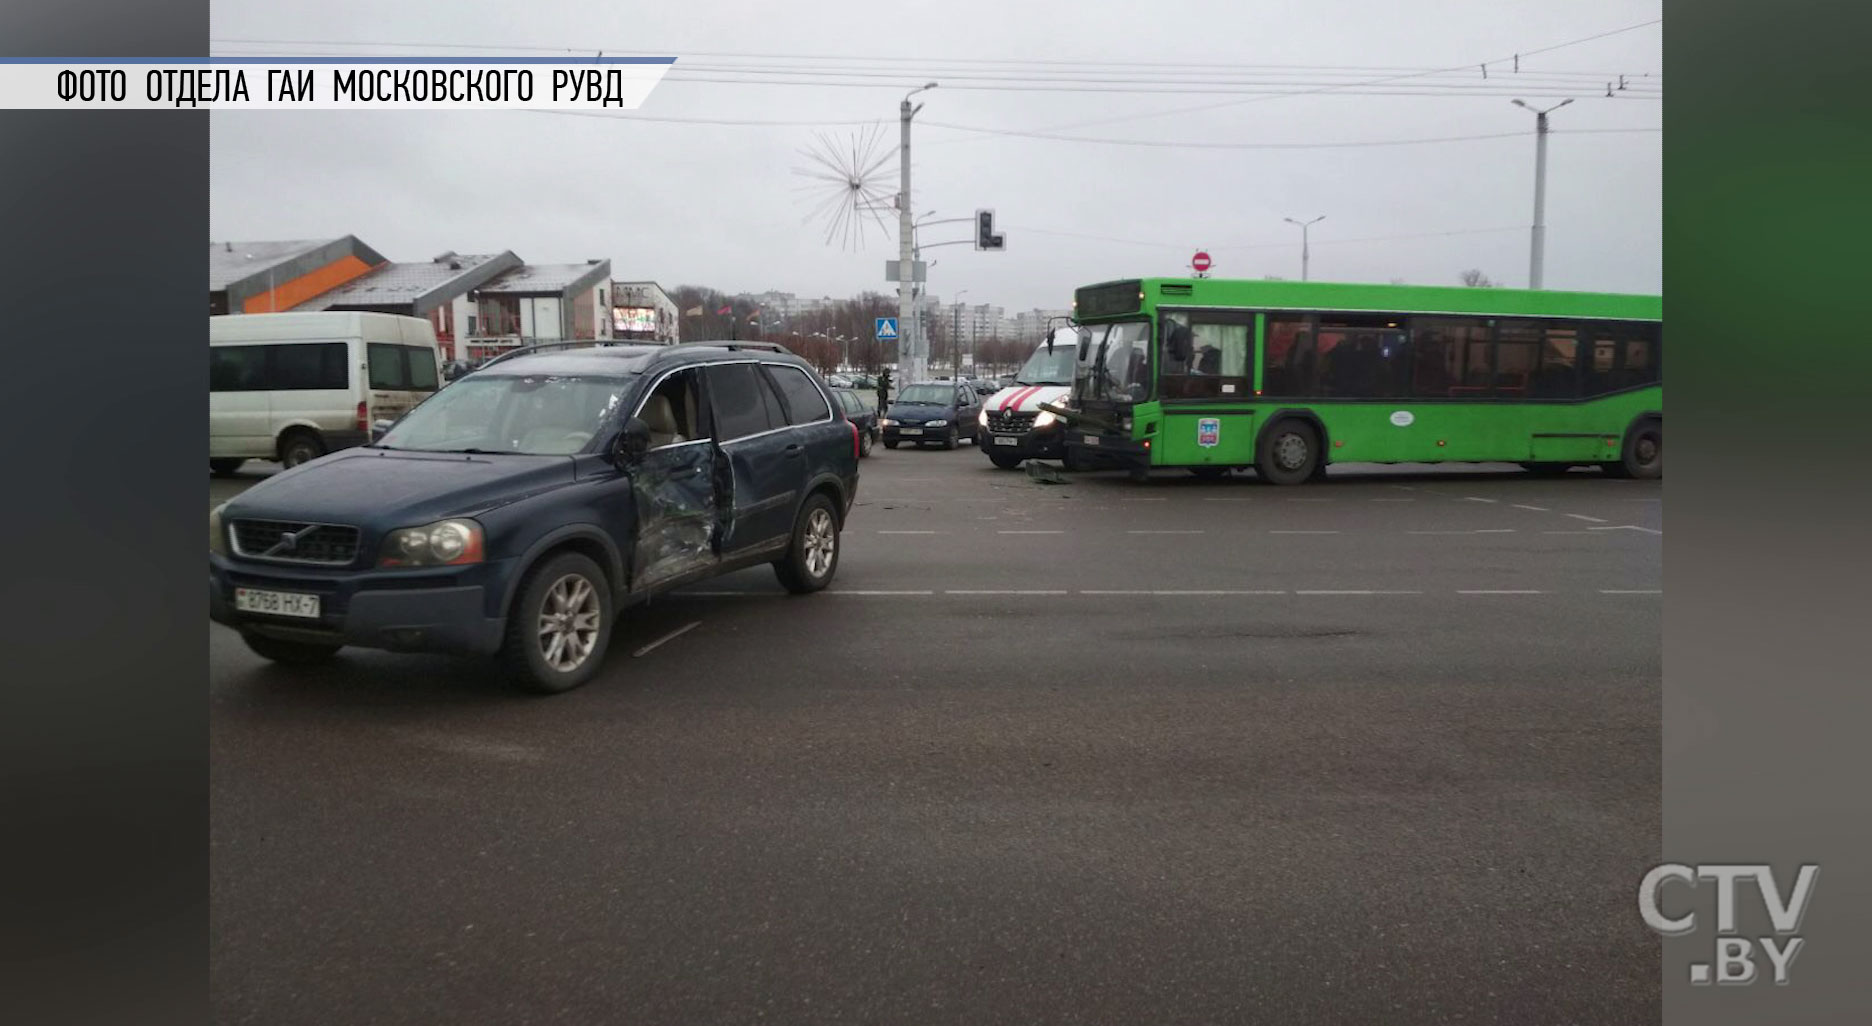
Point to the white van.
(294, 386)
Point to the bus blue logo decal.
(1209, 432)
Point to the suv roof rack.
(539, 346)
(774, 347)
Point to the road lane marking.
(1303, 532)
(1004, 591)
(1473, 498)
(1499, 591)
(1030, 532)
(1582, 516)
(1143, 498)
(671, 636)
(1298, 499)
(1394, 500)
(1537, 509)
(1355, 592)
(720, 594)
(1569, 532)
(1631, 591)
(1163, 532)
(1627, 527)
(854, 591)
(909, 532)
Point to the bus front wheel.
(1289, 453)
(1643, 454)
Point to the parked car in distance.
(294, 386)
(838, 381)
(862, 411)
(517, 512)
(941, 412)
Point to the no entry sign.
(1200, 262)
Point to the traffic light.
(985, 237)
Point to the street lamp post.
(955, 331)
(1537, 243)
(1305, 248)
(905, 231)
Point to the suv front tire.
(559, 626)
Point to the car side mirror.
(631, 443)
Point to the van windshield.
(1055, 368)
(535, 415)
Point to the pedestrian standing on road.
(883, 391)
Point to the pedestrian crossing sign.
(887, 329)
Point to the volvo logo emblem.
(289, 541)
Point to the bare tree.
(1475, 279)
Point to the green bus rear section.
(1224, 432)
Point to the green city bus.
(1287, 377)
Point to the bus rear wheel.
(1289, 453)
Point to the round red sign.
(1200, 261)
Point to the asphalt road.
(1380, 749)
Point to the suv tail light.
(363, 417)
(857, 449)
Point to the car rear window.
(805, 404)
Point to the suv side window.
(804, 403)
(742, 401)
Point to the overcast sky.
(689, 203)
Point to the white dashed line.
(909, 532)
(1311, 500)
(1537, 509)
(1030, 532)
(1569, 532)
(1303, 532)
(1217, 591)
(671, 636)
(1356, 592)
(1143, 498)
(1631, 591)
(1472, 498)
(1627, 527)
(1005, 591)
(1582, 516)
(1482, 530)
(1500, 591)
(1163, 532)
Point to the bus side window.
(1600, 363)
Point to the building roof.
(419, 286)
(229, 262)
(548, 279)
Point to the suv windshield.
(1116, 364)
(928, 395)
(1055, 368)
(537, 415)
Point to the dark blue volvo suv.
(518, 510)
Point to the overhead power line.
(1187, 246)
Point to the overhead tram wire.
(894, 60)
(1186, 246)
(1480, 65)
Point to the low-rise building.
(272, 277)
(438, 290)
(536, 303)
(642, 312)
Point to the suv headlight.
(443, 543)
(935, 423)
(217, 532)
(982, 418)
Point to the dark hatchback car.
(943, 412)
(861, 413)
(519, 510)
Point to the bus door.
(1206, 386)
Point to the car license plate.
(909, 431)
(1007, 440)
(1091, 439)
(277, 603)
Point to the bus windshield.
(1116, 364)
(1054, 368)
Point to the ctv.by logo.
(1735, 955)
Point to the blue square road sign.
(887, 329)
